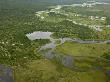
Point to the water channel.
(66, 60)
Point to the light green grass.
(77, 49)
(46, 71)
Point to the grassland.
(23, 56)
(77, 49)
(44, 70)
(87, 57)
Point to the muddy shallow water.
(66, 60)
(39, 35)
(53, 44)
(6, 74)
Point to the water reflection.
(6, 74)
(39, 35)
(67, 61)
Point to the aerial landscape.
(54, 40)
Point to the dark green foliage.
(106, 55)
(17, 18)
(108, 21)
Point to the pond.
(6, 74)
(39, 35)
(67, 61)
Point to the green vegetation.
(47, 71)
(77, 49)
(78, 22)
(106, 55)
(87, 56)
(19, 18)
